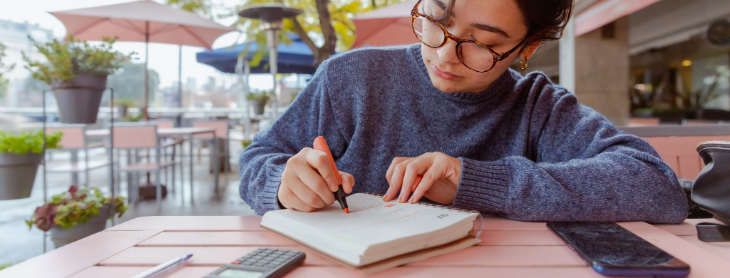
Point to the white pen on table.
(165, 267)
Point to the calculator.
(261, 263)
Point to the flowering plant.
(75, 206)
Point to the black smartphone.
(614, 251)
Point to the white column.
(567, 57)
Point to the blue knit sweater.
(529, 151)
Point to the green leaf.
(69, 210)
(66, 59)
(25, 142)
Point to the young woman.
(449, 109)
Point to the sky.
(162, 57)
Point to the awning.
(607, 11)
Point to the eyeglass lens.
(472, 55)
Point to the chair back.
(642, 122)
(135, 136)
(221, 129)
(165, 124)
(677, 144)
(73, 136)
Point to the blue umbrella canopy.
(293, 58)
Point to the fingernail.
(332, 185)
(412, 200)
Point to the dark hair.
(545, 19)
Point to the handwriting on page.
(372, 219)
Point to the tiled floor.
(18, 243)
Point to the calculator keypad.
(266, 257)
(271, 262)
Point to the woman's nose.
(447, 53)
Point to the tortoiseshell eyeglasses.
(473, 54)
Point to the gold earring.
(524, 65)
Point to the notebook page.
(372, 221)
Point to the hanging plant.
(72, 57)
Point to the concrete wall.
(602, 72)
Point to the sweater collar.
(503, 85)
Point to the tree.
(128, 82)
(4, 83)
(325, 25)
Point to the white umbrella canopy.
(141, 21)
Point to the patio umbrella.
(386, 26)
(142, 21)
(293, 58)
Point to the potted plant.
(259, 101)
(123, 105)
(77, 73)
(20, 155)
(75, 214)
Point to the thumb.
(348, 182)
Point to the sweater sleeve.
(583, 169)
(262, 164)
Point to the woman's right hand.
(309, 180)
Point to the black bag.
(711, 190)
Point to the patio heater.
(271, 16)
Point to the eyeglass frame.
(448, 36)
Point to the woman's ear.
(529, 50)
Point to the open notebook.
(376, 231)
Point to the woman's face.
(496, 23)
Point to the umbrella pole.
(242, 69)
(146, 77)
(272, 40)
(179, 75)
(247, 74)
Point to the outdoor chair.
(74, 140)
(677, 144)
(169, 152)
(221, 132)
(136, 137)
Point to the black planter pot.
(62, 236)
(17, 174)
(79, 98)
(122, 109)
(258, 106)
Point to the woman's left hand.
(441, 174)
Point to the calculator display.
(237, 273)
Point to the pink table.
(508, 249)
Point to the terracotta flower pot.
(79, 98)
(17, 174)
(62, 236)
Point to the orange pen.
(321, 145)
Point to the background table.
(188, 132)
(508, 249)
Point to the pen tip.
(346, 210)
(188, 256)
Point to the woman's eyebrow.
(442, 6)
(480, 26)
(490, 28)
